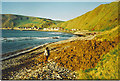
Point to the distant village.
(39, 28)
(77, 31)
(60, 28)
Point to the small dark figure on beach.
(46, 54)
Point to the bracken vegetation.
(107, 68)
(82, 54)
(90, 59)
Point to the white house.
(45, 29)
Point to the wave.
(59, 33)
(26, 38)
(56, 33)
(22, 52)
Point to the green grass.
(10, 20)
(108, 35)
(102, 18)
(107, 68)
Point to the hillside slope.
(104, 17)
(10, 20)
(109, 35)
(107, 67)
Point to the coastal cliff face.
(11, 20)
(104, 17)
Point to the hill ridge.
(103, 17)
(13, 20)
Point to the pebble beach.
(61, 64)
(29, 64)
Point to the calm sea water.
(13, 40)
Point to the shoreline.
(29, 58)
(16, 53)
(40, 30)
(78, 33)
(23, 51)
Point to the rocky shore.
(66, 59)
(43, 71)
(30, 65)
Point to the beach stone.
(29, 70)
(47, 71)
(58, 76)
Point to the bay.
(13, 40)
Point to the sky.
(54, 10)
(58, 0)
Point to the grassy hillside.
(107, 67)
(91, 59)
(104, 17)
(9, 20)
(109, 35)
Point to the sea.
(13, 40)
